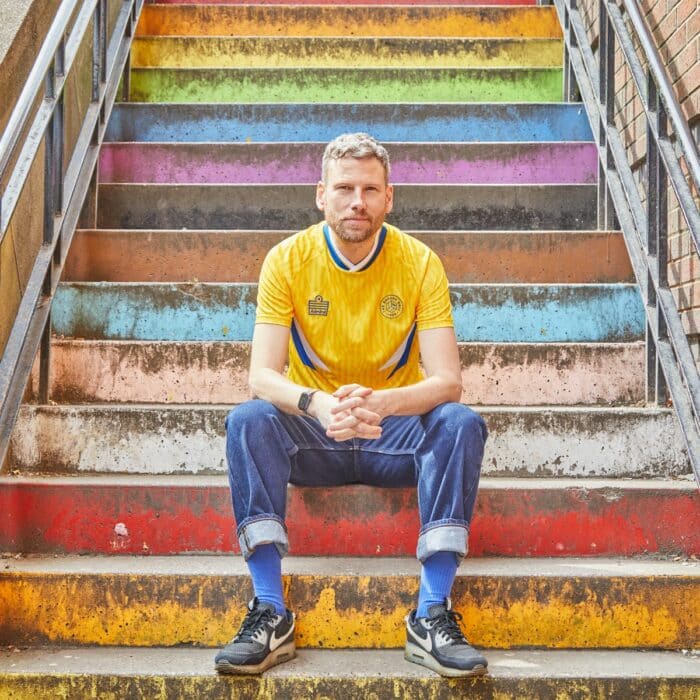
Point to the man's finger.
(366, 416)
(342, 435)
(367, 431)
(347, 389)
(347, 404)
(344, 422)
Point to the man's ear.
(389, 198)
(320, 196)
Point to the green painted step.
(413, 85)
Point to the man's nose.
(358, 199)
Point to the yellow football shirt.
(353, 323)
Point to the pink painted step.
(84, 371)
(266, 163)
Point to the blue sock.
(436, 579)
(265, 566)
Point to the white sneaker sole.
(284, 653)
(417, 655)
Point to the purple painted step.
(269, 163)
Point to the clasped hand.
(356, 411)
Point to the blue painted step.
(323, 122)
(490, 313)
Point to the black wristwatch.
(305, 400)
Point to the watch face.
(304, 401)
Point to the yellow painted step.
(345, 21)
(325, 52)
(350, 603)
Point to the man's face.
(355, 198)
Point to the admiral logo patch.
(391, 306)
(318, 306)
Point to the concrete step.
(385, 20)
(350, 603)
(514, 517)
(482, 313)
(323, 122)
(573, 442)
(535, 257)
(417, 207)
(425, 163)
(259, 85)
(339, 52)
(519, 374)
(44, 674)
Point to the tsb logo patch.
(391, 306)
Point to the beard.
(354, 231)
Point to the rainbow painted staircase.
(582, 580)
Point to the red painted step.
(519, 518)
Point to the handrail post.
(606, 96)
(570, 87)
(657, 237)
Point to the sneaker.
(264, 639)
(437, 642)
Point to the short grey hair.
(359, 145)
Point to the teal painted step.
(491, 313)
(255, 85)
(292, 207)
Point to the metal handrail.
(680, 125)
(65, 189)
(670, 364)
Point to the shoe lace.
(252, 623)
(447, 624)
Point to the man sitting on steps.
(348, 304)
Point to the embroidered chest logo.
(318, 306)
(391, 306)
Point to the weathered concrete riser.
(572, 442)
(565, 257)
(235, 163)
(421, 21)
(256, 85)
(210, 372)
(344, 52)
(482, 313)
(125, 674)
(174, 515)
(286, 207)
(349, 603)
(520, 122)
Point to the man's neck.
(354, 252)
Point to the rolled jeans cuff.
(443, 538)
(262, 530)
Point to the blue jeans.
(439, 452)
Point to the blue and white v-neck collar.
(343, 263)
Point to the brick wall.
(675, 27)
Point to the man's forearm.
(274, 387)
(417, 399)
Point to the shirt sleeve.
(274, 295)
(434, 305)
